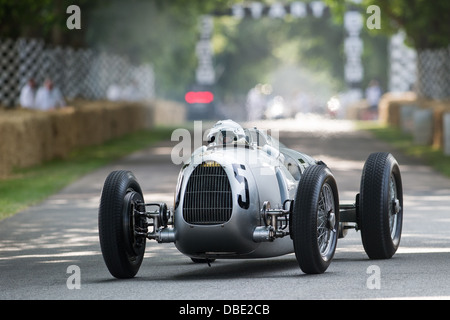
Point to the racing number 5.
(241, 179)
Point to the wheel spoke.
(393, 206)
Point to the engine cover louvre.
(208, 198)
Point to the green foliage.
(145, 33)
(246, 56)
(165, 34)
(44, 19)
(248, 51)
(18, 18)
(427, 23)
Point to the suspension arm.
(276, 222)
(160, 219)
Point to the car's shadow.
(235, 269)
(170, 265)
(283, 267)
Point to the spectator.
(255, 103)
(373, 95)
(114, 92)
(49, 97)
(27, 94)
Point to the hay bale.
(446, 133)
(439, 109)
(63, 133)
(23, 133)
(356, 110)
(29, 137)
(390, 106)
(407, 117)
(89, 120)
(168, 113)
(423, 126)
(7, 146)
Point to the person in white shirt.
(49, 97)
(27, 94)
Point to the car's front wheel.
(315, 219)
(122, 249)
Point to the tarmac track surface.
(39, 245)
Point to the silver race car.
(245, 195)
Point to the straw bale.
(29, 137)
(22, 139)
(168, 112)
(63, 133)
(356, 109)
(390, 105)
(439, 109)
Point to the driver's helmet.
(226, 132)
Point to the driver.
(226, 132)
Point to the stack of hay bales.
(22, 139)
(30, 137)
(97, 122)
(439, 108)
(423, 118)
(389, 108)
(167, 112)
(356, 110)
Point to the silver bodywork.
(245, 195)
(258, 172)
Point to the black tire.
(122, 251)
(315, 219)
(380, 215)
(201, 260)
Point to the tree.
(427, 28)
(44, 19)
(426, 23)
(25, 18)
(252, 49)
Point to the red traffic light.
(199, 97)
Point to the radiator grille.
(208, 199)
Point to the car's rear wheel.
(315, 219)
(380, 214)
(122, 249)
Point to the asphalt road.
(47, 248)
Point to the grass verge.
(404, 142)
(30, 186)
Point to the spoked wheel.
(119, 225)
(315, 219)
(381, 206)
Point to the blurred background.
(84, 83)
(245, 60)
(290, 56)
